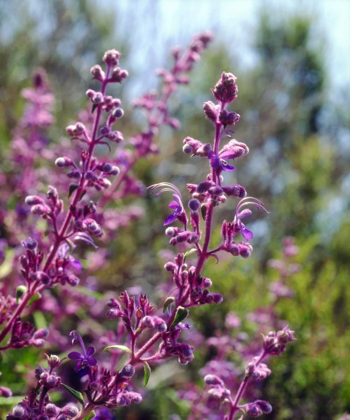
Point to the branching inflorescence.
(148, 336)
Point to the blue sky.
(153, 26)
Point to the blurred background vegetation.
(297, 126)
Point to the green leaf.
(189, 252)
(147, 375)
(181, 314)
(118, 347)
(39, 320)
(36, 297)
(20, 291)
(94, 106)
(168, 302)
(87, 292)
(6, 266)
(90, 416)
(72, 188)
(71, 247)
(76, 394)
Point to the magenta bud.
(73, 280)
(203, 187)
(107, 167)
(111, 58)
(207, 283)
(97, 73)
(115, 171)
(213, 380)
(90, 93)
(210, 110)
(38, 210)
(218, 298)
(169, 266)
(170, 232)
(128, 371)
(194, 204)
(118, 113)
(32, 200)
(41, 333)
(187, 149)
(70, 410)
(5, 392)
(63, 162)
(113, 314)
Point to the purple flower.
(232, 150)
(241, 214)
(85, 359)
(104, 414)
(175, 205)
(217, 162)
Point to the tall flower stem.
(61, 235)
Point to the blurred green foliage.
(296, 166)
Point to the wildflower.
(175, 205)
(240, 214)
(85, 359)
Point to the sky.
(153, 26)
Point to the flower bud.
(213, 380)
(98, 73)
(32, 200)
(19, 411)
(225, 90)
(128, 371)
(203, 187)
(115, 171)
(111, 58)
(63, 162)
(41, 333)
(70, 410)
(73, 280)
(187, 149)
(169, 266)
(210, 110)
(118, 113)
(253, 410)
(194, 204)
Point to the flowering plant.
(147, 334)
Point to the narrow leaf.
(20, 291)
(204, 211)
(147, 375)
(118, 347)
(72, 188)
(168, 302)
(189, 252)
(76, 394)
(181, 314)
(36, 297)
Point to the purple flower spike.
(85, 359)
(175, 205)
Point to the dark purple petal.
(78, 366)
(83, 372)
(90, 351)
(91, 361)
(75, 355)
(227, 167)
(246, 233)
(171, 218)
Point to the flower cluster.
(147, 334)
(274, 344)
